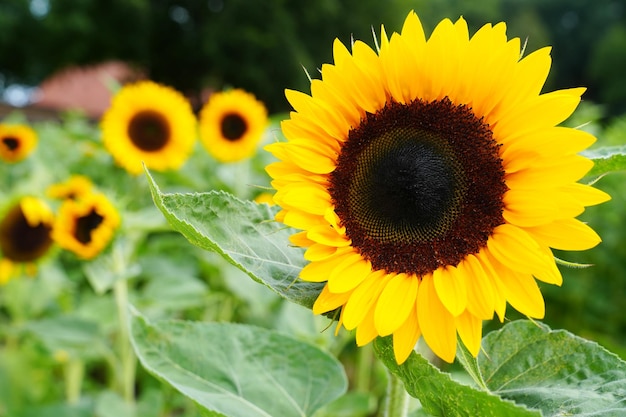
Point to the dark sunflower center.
(418, 186)
(149, 131)
(87, 224)
(11, 143)
(233, 127)
(21, 242)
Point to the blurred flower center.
(233, 126)
(11, 143)
(87, 224)
(149, 131)
(21, 242)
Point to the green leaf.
(238, 370)
(244, 233)
(607, 159)
(76, 336)
(554, 371)
(439, 394)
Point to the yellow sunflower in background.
(75, 187)
(25, 235)
(149, 122)
(86, 225)
(17, 141)
(431, 181)
(232, 125)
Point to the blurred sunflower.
(75, 187)
(149, 122)
(232, 125)
(17, 141)
(25, 235)
(431, 181)
(86, 225)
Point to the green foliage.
(439, 394)
(553, 371)
(244, 233)
(238, 370)
(528, 369)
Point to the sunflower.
(232, 125)
(149, 122)
(86, 225)
(431, 181)
(75, 187)
(25, 235)
(17, 141)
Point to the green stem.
(365, 356)
(127, 356)
(74, 373)
(396, 398)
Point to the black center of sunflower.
(149, 131)
(11, 143)
(233, 127)
(418, 186)
(87, 224)
(21, 242)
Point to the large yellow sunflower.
(232, 124)
(149, 122)
(25, 235)
(431, 181)
(17, 141)
(85, 225)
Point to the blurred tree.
(189, 44)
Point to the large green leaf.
(244, 233)
(439, 394)
(554, 371)
(607, 159)
(239, 370)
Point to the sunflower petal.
(470, 331)
(405, 338)
(451, 289)
(395, 303)
(435, 321)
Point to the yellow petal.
(435, 321)
(470, 330)
(405, 338)
(515, 249)
(328, 236)
(319, 271)
(522, 292)
(566, 234)
(328, 301)
(480, 292)
(528, 207)
(451, 289)
(586, 194)
(318, 252)
(395, 303)
(363, 298)
(349, 274)
(366, 331)
(486, 261)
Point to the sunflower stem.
(126, 378)
(365, 356)
(74, 371)
(396, 399)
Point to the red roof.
(84, 88)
